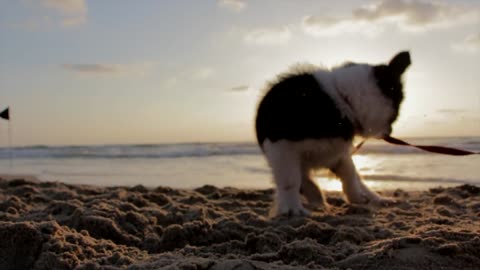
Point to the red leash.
(428, 148)
(432, 148)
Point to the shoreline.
(53, 225)
(327, 182)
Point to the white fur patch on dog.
(366, 106)
(291, 160)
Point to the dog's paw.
(299, 212)
(289, 211)
(358, 197)
(383, 201)
(375, 199)
(317, 201)
(369, 197)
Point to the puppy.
(308, 118)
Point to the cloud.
(67, 6)
(452, 111)
(470, 44)
(170, 82)
(74, 21)
(414, 15)
(52, 13)
(235, 5)
(92, 68)
(319, 26)
(184, 77)
(463, 114)
(110, 69)
(203, 73)
(71, 12)
(240, 88)
(268, 36)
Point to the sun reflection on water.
(365, 165)
(327, 183)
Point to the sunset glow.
(116, 72)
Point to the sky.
(78, 72)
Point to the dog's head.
(374, 92)
(389, 80)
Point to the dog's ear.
(400, 63)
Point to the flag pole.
(10, 143)
(5, 114)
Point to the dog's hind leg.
(311, 191)
(353, 186)
(287, 175)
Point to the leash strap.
(432, 148)
(358, 146)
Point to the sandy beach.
(52, 225)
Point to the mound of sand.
(51, 225)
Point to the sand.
(53, 225)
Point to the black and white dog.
(308, 118)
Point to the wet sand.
(53, 225)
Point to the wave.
(210, 149)
(416, 179)
(131, 151)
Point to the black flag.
(5, 114)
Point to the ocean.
(240, 165)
